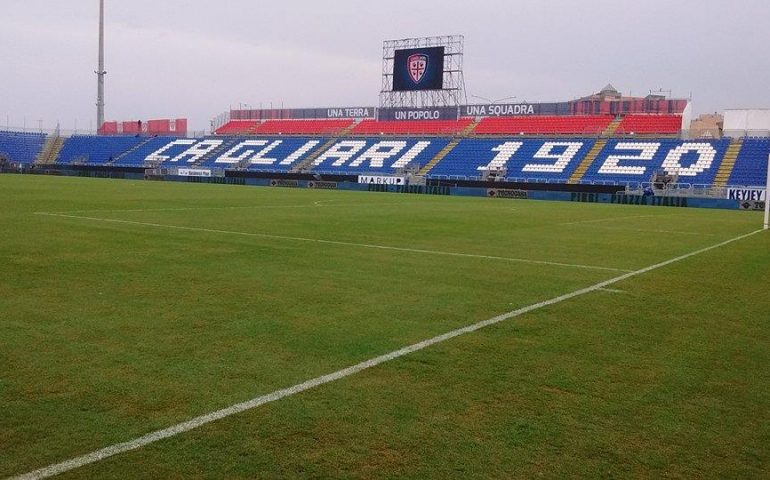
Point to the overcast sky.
(195, 59)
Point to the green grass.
(111, 330)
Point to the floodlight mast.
(767, 195)
(100, 73)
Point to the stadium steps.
(728, 162)
(50, 151)
(347, 130)
(304, 164)
(581, 169)
(470, 128)
(252, 130)
(225, 146)
(439, 156)
(129, 151)
(612, 127)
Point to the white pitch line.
(642, 230)
(240, 207)
(336, 242)
(612, 290)
(199, 421)
(611, 219)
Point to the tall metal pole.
(767, 195)
(100, 73)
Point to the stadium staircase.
(581, 169)
(728, 162)
(117, 158)
(307, 162)
(445, 151)
(612, 127)
(225, 146)
(50, 151)
(470, 128)
(252, 130)
(439, 156)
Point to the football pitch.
(173, 330)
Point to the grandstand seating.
(650, 124)
(273, 154)
(21, 147)
(95, 150)
(417, 127)
(623, 161)
(302, 127)
(751, 165)
(521, 159)
(377, 155)
(543, 125)
(262, 154)
(537, 159)
(135, 157)
(237, 127)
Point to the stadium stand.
(544, 125)
(95, 150)
(417, 127)
(590, 160)
(377, 156)
(237, 127)
(751, 165)
(302, 127)
(623, 161)
(21, 147)
(650, 124)
(536, 159)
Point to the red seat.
(545, 124)
(641, 124)
(237, 127)
(303, 127)
(411, 127)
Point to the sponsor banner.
(381, 180)
(508, 110)
(428, 113)
(623, 199)
(193, 172)
(303, 113)
(284, 183)
(506, 193)
(322, 185)
(750, 194)
(418, 69)
(751, 205)
(515, 109)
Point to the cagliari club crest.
(417, 64)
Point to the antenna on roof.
(100, 73)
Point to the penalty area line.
(334, 242)
(199, 421)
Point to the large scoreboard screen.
(418, 69)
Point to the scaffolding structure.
(453, 92)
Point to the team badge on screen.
(417, 64)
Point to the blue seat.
(551, 159)
(21, 147)
(95, 150)
(624, 161)
(751, 164)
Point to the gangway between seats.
(116, 160)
